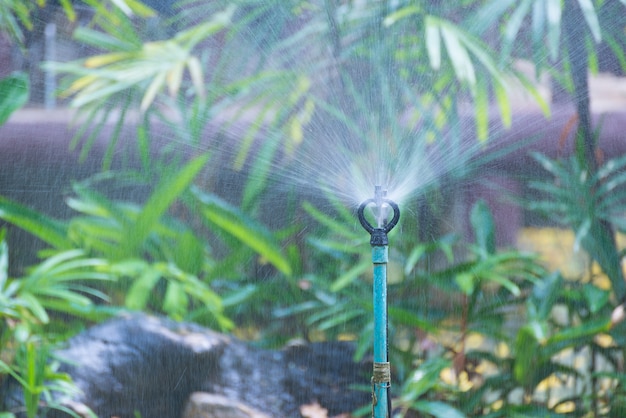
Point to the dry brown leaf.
(314, 410)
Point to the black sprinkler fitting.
(379, 234)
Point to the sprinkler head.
(381, 209)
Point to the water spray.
(381, 378)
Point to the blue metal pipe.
(381, 379)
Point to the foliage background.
(476, 330)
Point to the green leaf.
(176, 301)
(487, 15)
(481, 110)
(461, 61)
(37, 309)
(401, 13)
(102, 41)
(423, 379)
(4, 259)
(591, 17)
(400, 316)
(466, 281)
(330, 222)
(415, 255)
(140, 291)
(13, 94)
(349, 276)
(252, 234)
(504, 105)
(577, 335)
(484, 228)
(553, 13)
(543, 297)
(189, 252)
(433, 43)
(165, 194)
(47, 229)
(528, 359)
(437, 409)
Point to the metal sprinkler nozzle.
(382, 206)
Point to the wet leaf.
(14, 90)
(596, 298)
(47, 229)
(484, 228)
(170, 189)
(249, 232)
(437, 409)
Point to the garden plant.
(475, 330)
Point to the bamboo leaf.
(401, 13)
(433, 43)
(165, 194)
(437, 409)
(47, 229)
(252, 234)
(591, 17)
(513, 27)
(461, 62)
(349, 276)
(13, 94)
(139, 293)
(553, 13)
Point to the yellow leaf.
(295, 130)
(100, 60)
(175, 78)
(195, 71)
(152, 91)
(80, 84)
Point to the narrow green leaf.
(139, 293)
(68, 9)
(4, 260)
(415, 255)
(47, 229)
(102, 41)
(481, 110)
(537, 28)
(591, 17)
(175, 301)
(487, 15)
(502, 98)
(424, 378)
(433, 42)
(13, 94)
(401, 13)
(37, 309)
(437, 409)
(330, 222)
(483, 226)
(236, 223)
(466, 282)
(553, 13)
(340, 319)
(461, 62)
(165, 194)
(410, 318)
(349, 276)
(576, 335)
(543, 297)
(596, 298)
(513, 27)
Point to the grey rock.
(139, 365)
(207, 405)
